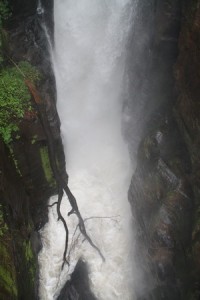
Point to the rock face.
(187, 111)
(27, 180)
(164, 192)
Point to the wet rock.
(162, 204)
(19, 272)
(27, 180)
(78, 287)
(160, 193)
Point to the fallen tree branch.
(81, 224)
(60, 217)
(62, 181)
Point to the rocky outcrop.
(78, 287)
(164, 189)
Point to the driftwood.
(62, 181)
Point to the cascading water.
(89, 62)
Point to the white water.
(89, 62)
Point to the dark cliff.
(164, 192)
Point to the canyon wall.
(164, 75)
(164, 192)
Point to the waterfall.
(89, 64)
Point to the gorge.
(121, 80)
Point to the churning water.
(89, 63)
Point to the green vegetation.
(30, 260)
(28, 251)
(9, 282)
(46, 165)
(7, 271)
(14, 97)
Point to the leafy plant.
(14, 97)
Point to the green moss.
(28, 251)
(8, 282)
(7, 268)
(30, 260)
(46, 166)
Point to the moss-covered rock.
(26, 178)
(47, 166)
(8, 282)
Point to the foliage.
(8, 281)
(29, 71)
(14, 97)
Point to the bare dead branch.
(62, 181)
(60, 217)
